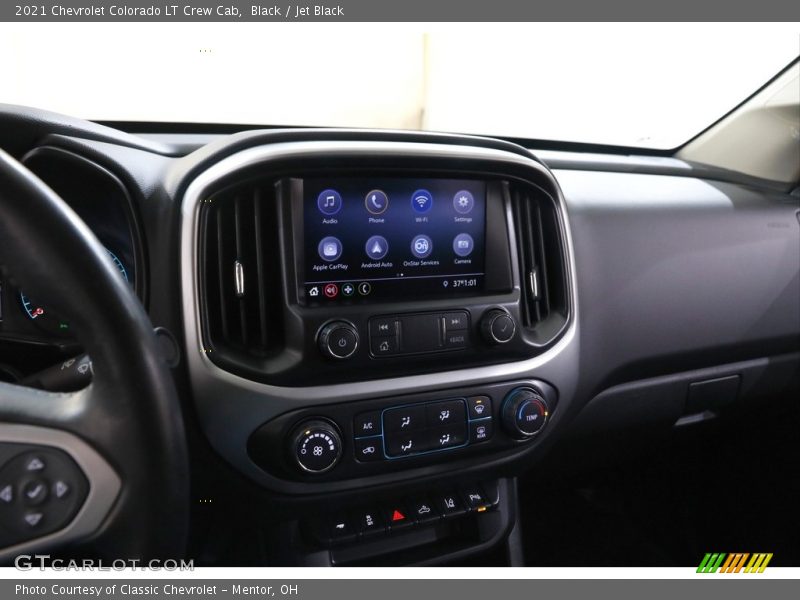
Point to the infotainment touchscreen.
(392, 238)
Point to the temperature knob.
(524, 413)
(316, 446)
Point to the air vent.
(541, 261)
(241, 277)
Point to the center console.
(362, 313)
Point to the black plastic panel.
(675, 274)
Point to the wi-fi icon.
(421, 201)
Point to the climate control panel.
(386, 434)
(424, 428)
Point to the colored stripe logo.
(738, 562)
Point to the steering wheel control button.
(368, 449)
(367, 424)
(29, 506)
(35, 464)
(497, 327)
(480, 407)
(524, 413)
(329, 202)
(338, 340)
(7, 494)
(421, 201)
(376, 202)
(60, 489)
(33, 519)
(480, 431)
(34, 492)
(316, 446)
(404, 419)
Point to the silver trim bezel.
(230, 406)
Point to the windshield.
(641, 86)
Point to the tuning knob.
(497, 326)
(524, 413)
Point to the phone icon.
(376, 202)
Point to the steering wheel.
(124, 432)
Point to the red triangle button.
(398, 516)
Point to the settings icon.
(463, 202)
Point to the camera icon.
(463, 244)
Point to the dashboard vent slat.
(239, 237)
(223, 309)
(241, 271)
(541, 265)
(261, 281)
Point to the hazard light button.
(397, 517)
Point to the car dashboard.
(375, 333)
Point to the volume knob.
(338, 340)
